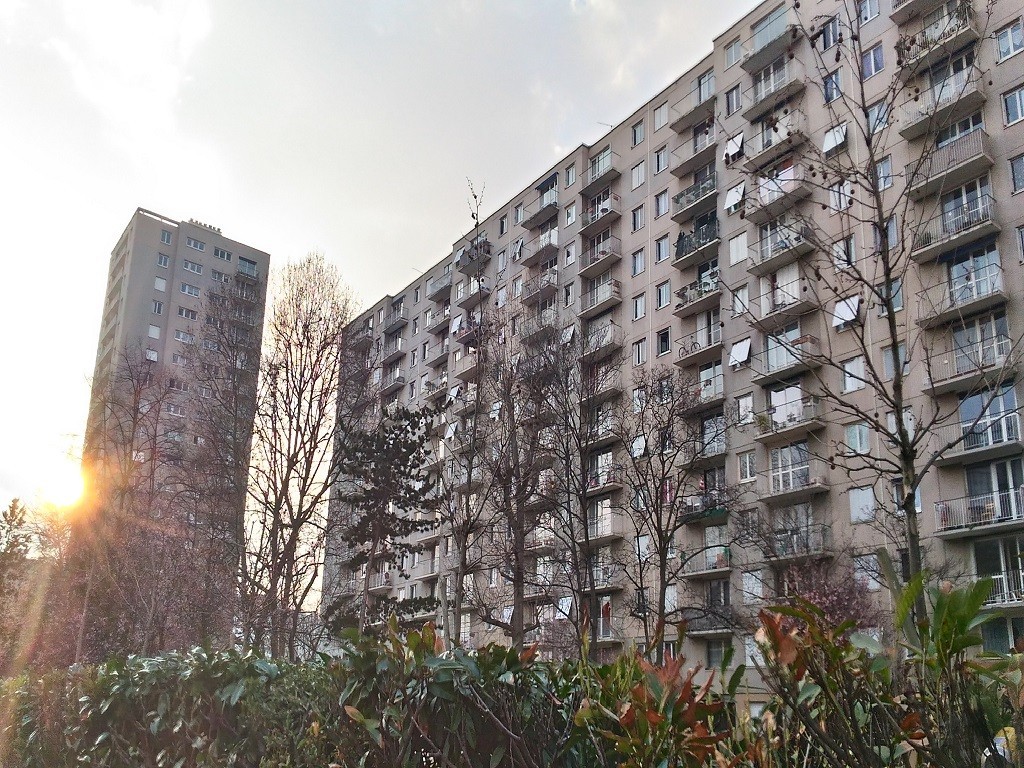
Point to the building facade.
(829, 193)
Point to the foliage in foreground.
(839, 699)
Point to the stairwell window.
(733, 100)
(163, 260)
(832, 86)
(638, 133)
(1017, 173)
(638, 218)
(640, 352)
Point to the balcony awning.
(452, 429)
(639, 447)
(735, 195)
(835, 138)
(517, 249)
(846, 311)
(567, 333)
(495, 410)
(733, 148)
(740, 353)
(456, 324)
(549, 182)
(456, 391)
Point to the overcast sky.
(344, 127)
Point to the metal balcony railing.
(980, 509)
(964, 290)
(695, 192)
(609, 290)
(691, 242)
(954, 221)
(988, 432)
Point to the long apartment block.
(691, 233)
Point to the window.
(638, 133)
(639, 174)
(839, 196)
(740, 299)
(178, 359)
(1010, 40)
(154, 331)
(755, 658)
(570, 214)
(893, 289)
(889, 360)
(661, 203)
(639, 397)
(198, 245)
(567, 294)
(844, 253)
(664, 342)
(1013, 104)
(1017, 172)
(830, 33)
(660, 115)
(188, 314)
(878, 116)
(853, 374)
(570, 175)
(865, 572)
(733, 100)
(857, 438)
(639, 262)
(639, 306)
(733, 52)
(191, 266)
(517, 213)
(909, 424)
(152, 355)
(738, 248)
(753, 587)
(883, 173)
(184, 337)
(219, 276)
(892, 235)
(221, 254)
(160, 284)
(748, 466)
(640, 352)
(503, 225)
(832, 87)
(570, 253)
(189, 290)
(660, 160)
(745, 408)
(412, 359)
(163, 260)
(517, 287)
(867, 10)
(638, 218)
(664, 294)
(662, 250)
(158, 307)
(1020, 242)
(872, 62)
(165, 237)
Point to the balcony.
(704, 453)
(767, 94)
(709, 393)
(471, 259)
(398, 318)
(991, 438)
(604, 527)
(712, 563)
(965, 158)
(781, 136)
(604, 480)
(696, 152)
(360, 338)
(698, 296)
(904, 10)
(476, 292)
(1007, 589)
(437, 322)
(786, 360)
(783, 304)
(439, 287)
(380, 581)
(959, 95)
(770, 41)
(541, 287)
(599, 434)
(600, 215)
(790, 242)
(601, 342)
(601, 387)
(920, 49)
(540, 539)
(969, 369)
(698, 198)
(694, 247)
(542, 210)
(467, 368)
(695, 107)
(790, 421)
(777, 194)
(600, 258)
(435, 388)
(392, 383)
(392, 351)
(706, 509)
(979, 290)
(607, 578)
(709, 621)
(464, 402)
(802, 542)
(467, 333)
(542, 247)
(600, 173)
(981, 514)
(437, 354)
(954, 228)
(539, 326)
(700, 347)
(602, 298)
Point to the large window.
(790, 467)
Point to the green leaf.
(497, 756)
(866, 643)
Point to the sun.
(65, 485)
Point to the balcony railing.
(913, 50)
(600, 256)
(965, 290)
(953, 223)
(601, 294)
(605, 337)
(693, 147)
(541, 285)
(969, 363)
(787, 355)
(789, 415)
(690, 243)
(393, 349)
(965, 157)
(380, 580)
(988, 432)
(600, 171)
(596, 212)
(694, 193)
(800, 541)
(398, 317)
(959, 90)
(439, 285)
(693, 107)
(604, 476)
(543, 322)
(790, 241)
(697, 290)
(769, 90)
(997, 507)
(701, 341)
(779, 135)
(713, 558)
(1007, 587)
